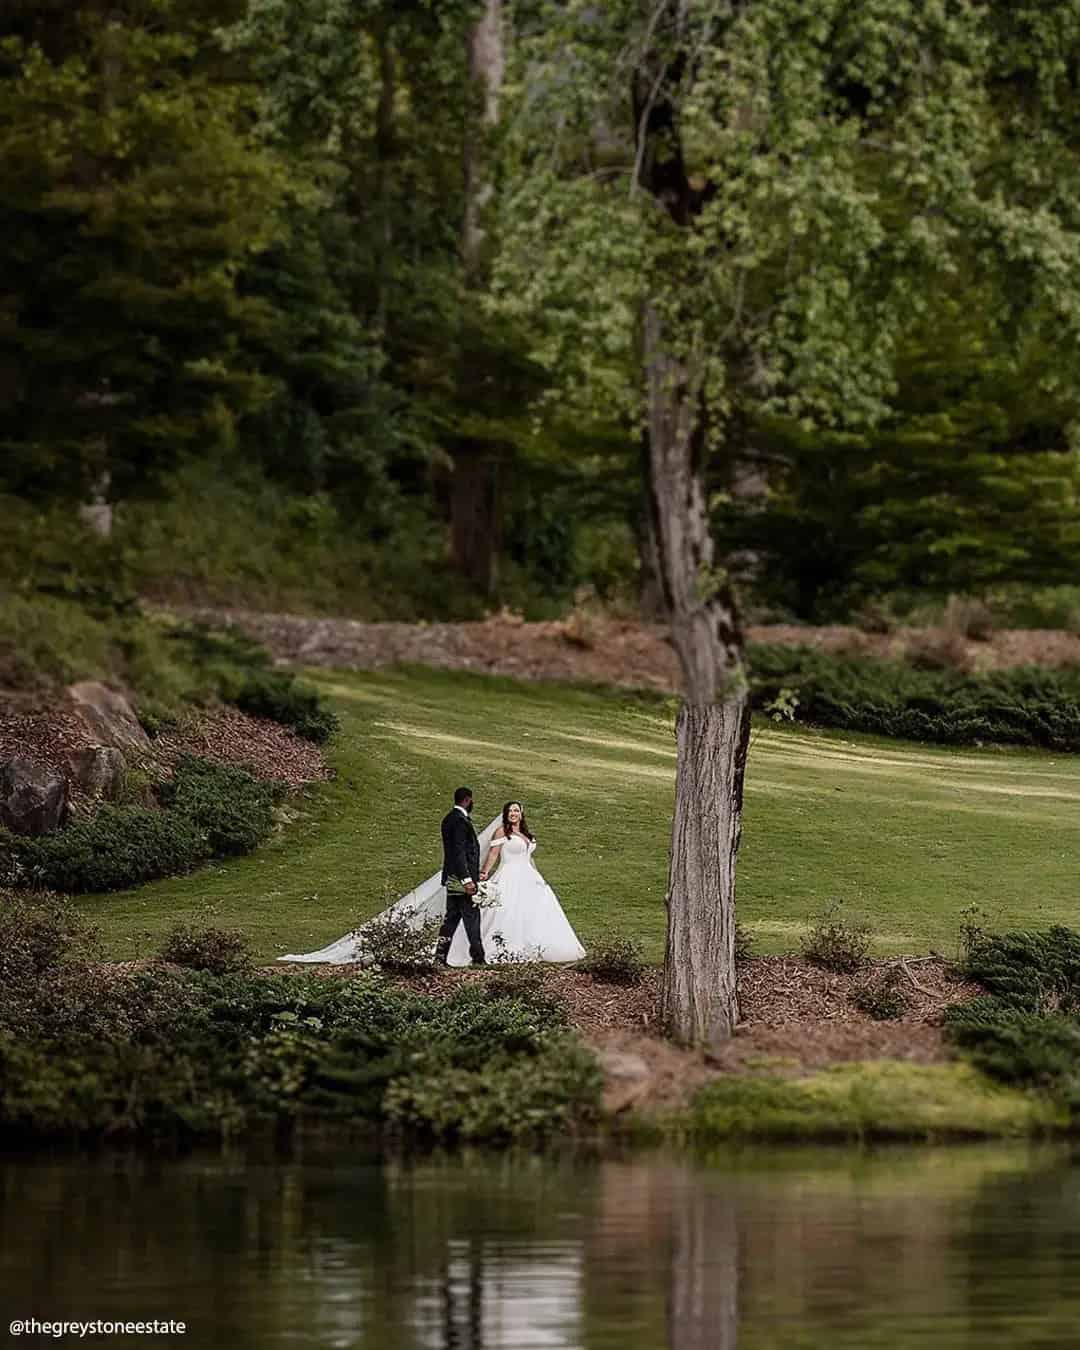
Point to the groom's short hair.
(461, 795)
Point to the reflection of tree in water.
(703, 1303)
(482, 1253)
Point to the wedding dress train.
(528, 923)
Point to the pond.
(326, 1246)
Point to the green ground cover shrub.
(85, 1049)
(1026, 1028)
(1021, 706)
(210, 810)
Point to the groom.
(461, 867)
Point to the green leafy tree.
(789, 184)
(971, 483)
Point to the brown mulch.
(48, 732)
(44, 734)
(228, 736)
(601, 648)
(796, 1017)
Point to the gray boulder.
(33, 799)
(109, 718)
(98, 770)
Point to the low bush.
(1021, 706)
(88, 1049)
(212, 810)
(881, 996)
(1026, 1027)
(119, 847)
(1033, 971)
(218, 949)
(395, 941)
(36, 934)
(970, 617)
(615, 960)
(937, 649)
(282, 698)
(233, 810)
(836, 944)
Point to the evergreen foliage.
(205, 1052)
(1032, 705)
(210, 810)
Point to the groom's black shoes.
(442, 952)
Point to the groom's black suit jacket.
(461, 848)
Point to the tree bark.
(385, 151)
(475, 517)
(700, 1002)
(487, 70)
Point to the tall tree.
(801, 175)
(131, 194)
(475, 515)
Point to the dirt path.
(590, 647)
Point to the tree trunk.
(385, 150)
(487, 70)
(475, 516)
(97, 512)
(700, 1002)
(650, 591)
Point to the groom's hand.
(470, 888)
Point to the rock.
(33, 799)
(627, 1078)
(109, 718)
(98, 770)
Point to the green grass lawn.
(904, 836)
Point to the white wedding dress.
(527, 924)
(528, 920)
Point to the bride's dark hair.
(523, 827)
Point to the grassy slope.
(905, 836)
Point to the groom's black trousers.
(460, 909)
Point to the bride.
(526, 922)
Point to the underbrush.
(86, 1050)
(209, 810)
(930, 702)
(836, 943)
(1025, 1029)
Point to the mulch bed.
(227, 736)
(48, 733)
(44, 734)
(796, 1017)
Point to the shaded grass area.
(870, 1100)
(903, 836)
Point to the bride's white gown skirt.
(528, 921)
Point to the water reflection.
(328, 1248)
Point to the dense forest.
(311, 303)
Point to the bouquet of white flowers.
(487, 895)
